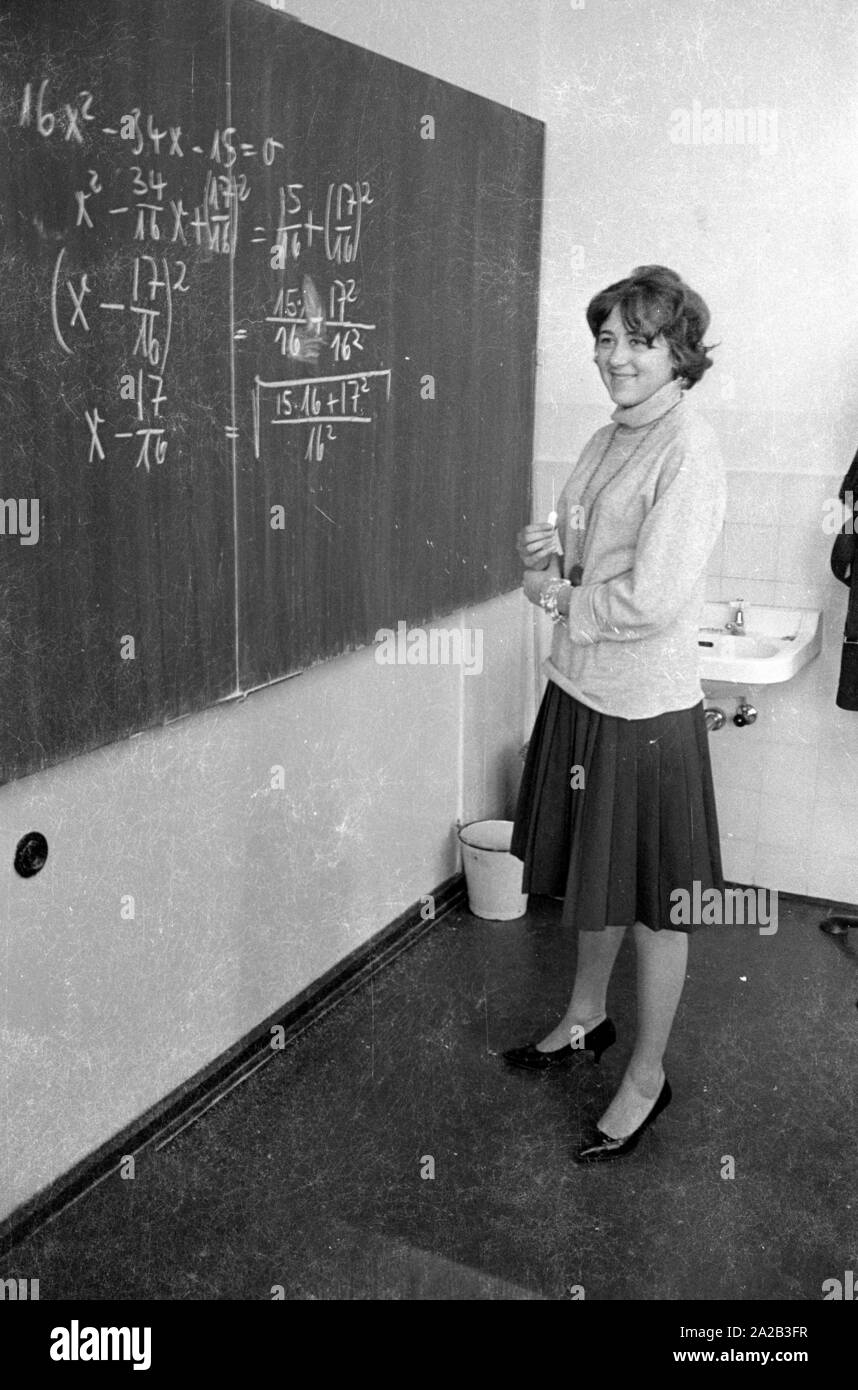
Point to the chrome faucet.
(736, 625)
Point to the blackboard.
(268, 320)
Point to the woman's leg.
(597, 951)
(662, 959)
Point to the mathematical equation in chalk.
(142, 205)
(320, 402)
(77, 308)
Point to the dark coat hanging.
(844, 564)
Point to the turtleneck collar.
(662, 400)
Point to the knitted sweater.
(650, 493)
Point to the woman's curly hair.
(655, 300)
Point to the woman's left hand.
(534, 581)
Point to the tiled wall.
(786, 786)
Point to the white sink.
(775, 645)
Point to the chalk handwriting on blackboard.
(268, 356)
(140, 293)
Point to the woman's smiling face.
(632, 369)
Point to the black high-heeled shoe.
(604, 1147)
(597, 1041)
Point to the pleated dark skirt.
(636, 822)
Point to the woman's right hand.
(536, 544)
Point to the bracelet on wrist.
(548, 598)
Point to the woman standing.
(617, 809)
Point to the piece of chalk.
(552, 518)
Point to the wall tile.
(822, 683)
(785, 871)
(838, 775)
(833, 621)
(737, 859)
(753, 497)
(789, 771)
(802, 554)
(833, 879)
(834, 833)
(844, 724)
(802, 497)
(734, 585)
(750, 550)
(784, 821)
(809, 593)
(736, 755)
(738, 813)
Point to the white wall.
(765, 230)
(245, 895)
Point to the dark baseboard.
(829, 905)
(156, 1126)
